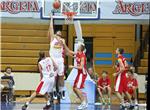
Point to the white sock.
(27, 103)
(61, 89)
(136, 102)
(84, 102)
(122, 102)
(131, 102)
(108, 99)
(103, 100)
(48, 102)
(54, 89)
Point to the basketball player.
(121, 80)
(104, 87)
(46, 67)
(132, 86)
(81, 76)
(57, 48)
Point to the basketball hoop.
(69, 17)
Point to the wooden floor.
(114, 100)
(39, 106)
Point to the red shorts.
(131, 92)
(121, 83)
(79, 81)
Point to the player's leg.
(109, 94)
(38, 90)
(120, 97)
(41, 89)
(31, 98)
(82, 98)
(61, 86)
(78, 92)
(118, 89)
(61, 82)
(48, 97)
(125, 90)
(54, 87)
(101, 95)
(135, 96)
(48, 104)
(75, 86)
(78, 85)
(24, 107)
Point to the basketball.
(56, 4)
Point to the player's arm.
(100, 87)
(99, 83)
(51, 29)
(78, 66)
(40, 70)
(108, 84)
(69, 52)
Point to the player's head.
(104, 74)
(119, 51)
(130, 73)
(116, 64)
(8, 70)
(133, 69)
(41, 55)
(90, 70)
(81, 47)
(58, 33)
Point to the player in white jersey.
(57, 49)
(47, 69)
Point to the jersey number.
(48, 68)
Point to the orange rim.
(69, 14)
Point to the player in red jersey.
(121, 80)
(81, 76)
(104, 86)
(132, 86)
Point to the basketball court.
(101, 25)
(39, 106)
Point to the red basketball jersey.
(130, 83)
(123, 60)
(104, 82)
(79, 56)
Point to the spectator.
(92, 74)
(104, 87)
(133, 70)
(132, 85)
(9, 75)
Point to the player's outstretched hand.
(115, 74)
(71, 66)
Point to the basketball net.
(69, 17)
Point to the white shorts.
(45, 86)
(60, 65)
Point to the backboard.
(85, 9)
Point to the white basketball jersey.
(47, 67)
(56, 49)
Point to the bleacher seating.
(21, 43)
